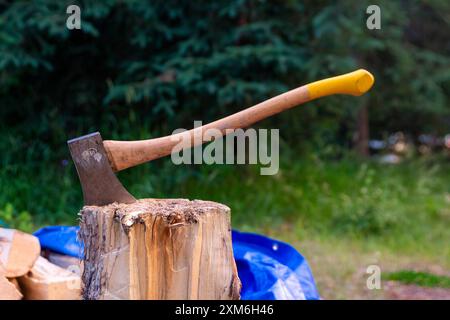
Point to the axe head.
(99, 183)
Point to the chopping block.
(158, 249)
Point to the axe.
(97, 161)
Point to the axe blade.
(99, 183)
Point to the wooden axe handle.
(125, 154)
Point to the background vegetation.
(140, 69)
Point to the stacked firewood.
(25, 274)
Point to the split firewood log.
(16, 284)
(46, 281)
(18, 252)
(8, 290)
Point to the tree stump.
(158, 249)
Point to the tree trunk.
(362, 135)
(158, 249)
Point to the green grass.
(419, 278)
(401, 207)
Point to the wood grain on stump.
(158, 249)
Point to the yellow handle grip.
(354, 83)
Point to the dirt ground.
(396, 291)
(350, 283)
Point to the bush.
(11, 218)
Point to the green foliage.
(158, 65)
(419, 278)
(410, 63)
(10, 218)
(346, 198)
(370, 209)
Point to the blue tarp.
(61, 239)
(269, 269)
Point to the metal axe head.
(99, 183)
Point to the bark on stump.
(158, 249)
